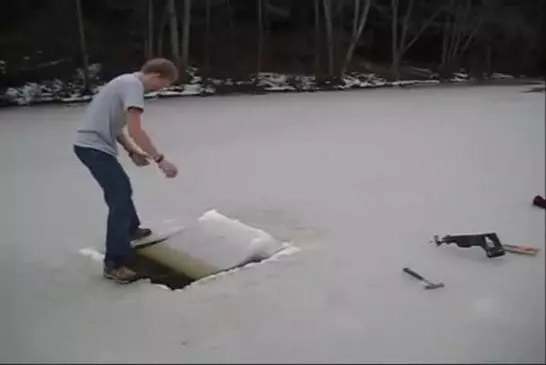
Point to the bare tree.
(83, 47)
(461, 26)
(505, 26)
(173, 24)
(401, 40)
(161, 30)
(266, 19)
(317, 39)
(356, 8)
(186, 35)
(327, 5)
(150, 36)
(206, 46)
(234, 64)
(260, 40)
(359, 21)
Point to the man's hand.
(168, 168)
(139, 158)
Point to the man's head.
(158, 73)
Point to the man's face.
(156, 82)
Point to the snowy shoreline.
(57, 92)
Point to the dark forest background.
(46, 39)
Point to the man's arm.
(124, 140)
(139, 136)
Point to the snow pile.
(414, 82)
(171, 91)
(228, 82)
(306, 83)
(49, 91)
(76, 98)
(362, 80)
(24, 95)
(71, 91)
(274, 82)
(195, 89)
(497, 76)
(55, 90)
(459, 77)
(181, 90)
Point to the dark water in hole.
(159, 274)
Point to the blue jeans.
(122, 216)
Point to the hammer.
(428, 284)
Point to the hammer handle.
(413, 273)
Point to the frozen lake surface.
(359, 181)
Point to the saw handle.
(413, 273)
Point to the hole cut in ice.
(213, 245)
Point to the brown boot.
(140, 233)
(121, 274)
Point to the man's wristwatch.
(159, 159)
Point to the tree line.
(238, 38)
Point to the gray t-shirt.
(105, 116)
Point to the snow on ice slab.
(215, 243)
(92, 253)
(259, 244)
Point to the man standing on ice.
(120, 103)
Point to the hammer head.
(434, 286)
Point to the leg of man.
(122, 216)
(135, 231)
(135, 220)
